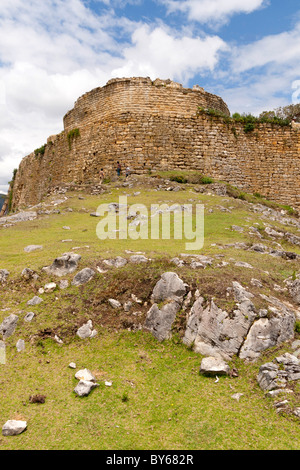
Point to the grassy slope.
(158, 400)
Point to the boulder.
(114, 303)
(8, 325)
(86, 375)
(3, 275)
(159, 321)
(14, 427)
(169, 287)
(83, 277)
(275, 329)
(84, 388)
(86, 331)
(276, 375)
(214, 332)
(294, 290)
(64, 265)
(214, 366)
(35, 301)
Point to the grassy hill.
(157, 398)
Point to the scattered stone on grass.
(3, 275)
(31, 248)
(8, 326)
(84, 276)
(86, 331)
(65, 264)
(14, 427)
(20, 345)
(214, 366)
(35, 301)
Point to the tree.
(290, 113)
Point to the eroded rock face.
(8, 325)
(169, 290)
(159, 321)
(65, 264)
(169, 287)
(3, 275)
(214, 332)
(277, 374)
(83, 277)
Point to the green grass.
(168, 406)
(158, 400)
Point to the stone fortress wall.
(157, 125)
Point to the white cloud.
(213, 11)
(280, 49)
(160, 53)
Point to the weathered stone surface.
(277, 374)
(118, 262)
(65, 264)
(35, 301)
(85, 374)
(3, 275)
(14, 427)
(31, 248)
(29, 274)
(137, 259)
(169, 287)
(84, 387)
(29, 316)
(214, 366)
(86, 331)
(50, 287)
(294, 289)
(114, 303)
(214, 332)
(84, 276)
(19, 217)
(8, 326)
(159, 321)
(20, 345)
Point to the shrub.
(73, 134)
(249, 127)
(206, 180)
(40, 151)
(297, 327)
(179, 179)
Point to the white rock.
(114, 303)
(84, 387)
(50, 287)
(20, 345)
(85, 374)
(13, 427)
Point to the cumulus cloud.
(213, 11)
(158, 52)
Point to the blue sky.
(53, 51)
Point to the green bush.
(206, 180)
(179, 179)
(297, 327)
(73, 134)
(40, 151)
